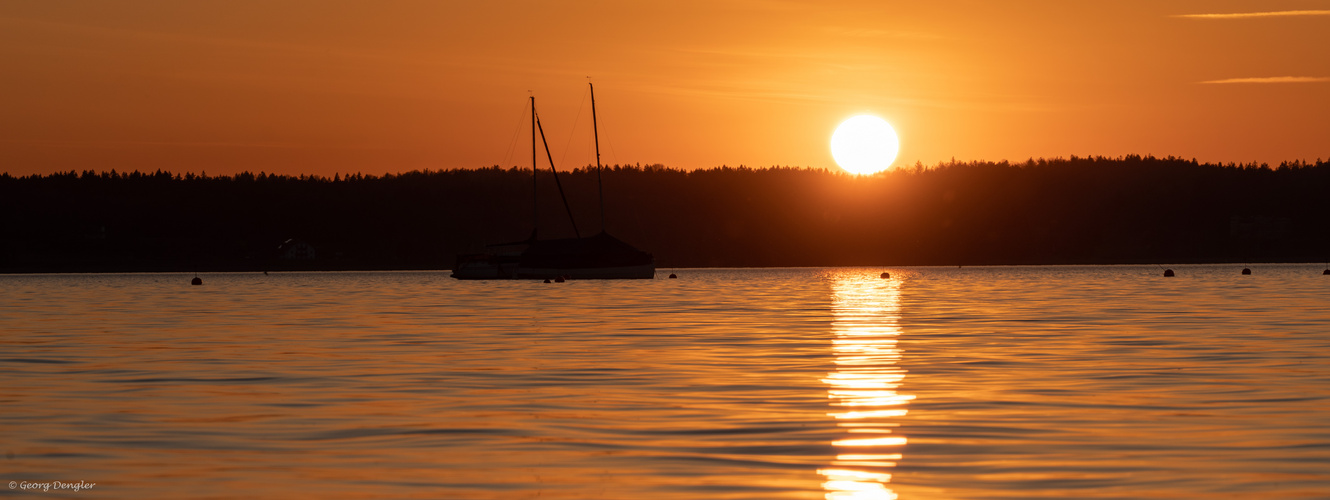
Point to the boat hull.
(599, 257)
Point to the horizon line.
(941, 163)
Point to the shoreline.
(660, 270)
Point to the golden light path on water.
(866, 322)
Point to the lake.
(937, 383)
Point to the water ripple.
(1061, 382)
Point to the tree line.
(1077, 210)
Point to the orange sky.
(323, 86)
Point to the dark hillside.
(1062, 211)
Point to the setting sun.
(864, 145)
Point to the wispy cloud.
(1274, 79)
(1249, 15)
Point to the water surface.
(1004, 382)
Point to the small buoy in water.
(886, 275)
(1168, 273)
(559, 279)
(1246, 271)
(1326, 272)
(547, 280)
(674, 276)
(265, 273)
(196, 281)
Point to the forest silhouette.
(1093, 210)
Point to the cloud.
(1250, 15)
(1274, 79)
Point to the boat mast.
(600, 184)
(535, 203)
(555, 171)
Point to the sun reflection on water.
(866, 323)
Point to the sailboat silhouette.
(601, 256)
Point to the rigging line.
(610, 143)
(556, 176)
(512, 145)
(576, 121)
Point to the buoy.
(559, 279)
(1168, 273)
(1246, 271)
(674, 276)
(1326, 272)
(547, 280)
(196, 281)
(886, 275)
(265, 273)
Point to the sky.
(327, 86)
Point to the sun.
(864, 144)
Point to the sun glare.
(864, 144)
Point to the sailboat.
(601, 256)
